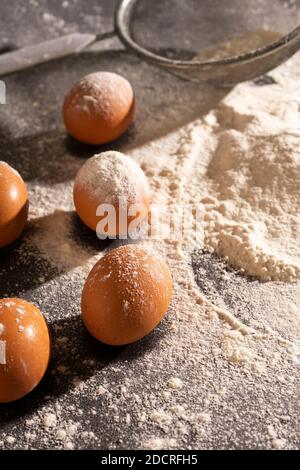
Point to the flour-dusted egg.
(126, 295)
(111, 194)
(24, 348)
(13, 204)
(99, 108)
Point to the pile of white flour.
(248, 171)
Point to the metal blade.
(49, 50)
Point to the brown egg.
(99, 108)
(114, 179)
(13, 204)
(126, 295)
(24, 348)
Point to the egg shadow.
(35, 259)
(84, 151)
(25, 266)
(86, 237)
(42, 156)
(161, 97)
(76, 356)
(164, 102)
(47, 153)
(42, 152)
(41, 149)
(23, 270)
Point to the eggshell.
(24, 348)
(99, 108)
(13, 205)
(126, 295)
(108, 178)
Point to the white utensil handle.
(44, 52)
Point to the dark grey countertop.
(33, 140)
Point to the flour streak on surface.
(211, 375)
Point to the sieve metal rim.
(123, 21)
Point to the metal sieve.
(141, 25)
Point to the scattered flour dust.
(240, 165)
(52, 229)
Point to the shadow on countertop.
(76, 357)
(24, 265)
(36, 143)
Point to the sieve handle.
(52, 49)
